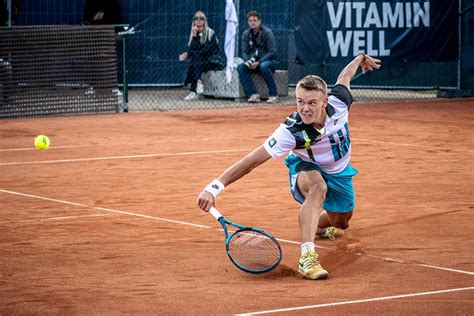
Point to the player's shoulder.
(342, 94)
(293, 120)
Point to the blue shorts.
(340, 191)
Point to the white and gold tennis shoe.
(310, 267)
(332, 233)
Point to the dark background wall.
(152, 52)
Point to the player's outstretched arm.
(362, 60)
(207, 197)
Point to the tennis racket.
(249, 249)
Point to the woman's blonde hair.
(312, 82)
(206, 34)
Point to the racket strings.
(253, 250)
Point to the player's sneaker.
(332, 233)
(310, 267)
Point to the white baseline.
(383, 298)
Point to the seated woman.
(203, 54)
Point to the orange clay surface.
(105, 221)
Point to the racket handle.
(215, 213)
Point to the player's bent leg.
(323, 220)
(313, 188)
(340, 220)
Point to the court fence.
(63, 70)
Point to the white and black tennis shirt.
(329, 148)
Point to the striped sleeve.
(342, 93)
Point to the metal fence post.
(125, 84)
(9, 8)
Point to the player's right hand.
(205, 201)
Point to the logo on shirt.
(272, 142)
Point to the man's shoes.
(310, 267)
(332, 233)
(254, 98)
(272, 99)
(199, 88)
(191, 96)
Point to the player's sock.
(307, 246)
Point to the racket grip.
(215, 213)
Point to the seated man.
(260, 55)
(203, 55)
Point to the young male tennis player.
(316, 137)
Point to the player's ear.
(325, 102)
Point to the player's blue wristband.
(215, 187)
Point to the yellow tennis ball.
(42, 142)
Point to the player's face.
(254, 22)
(311, 105)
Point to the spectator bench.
(216, 85)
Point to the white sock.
(307, 246)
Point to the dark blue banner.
(414, 31)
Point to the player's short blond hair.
(313, 82)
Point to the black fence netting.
(57, 70)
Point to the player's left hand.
(369, 63)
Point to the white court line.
(181, 153)
(419, 264)
(43, 198)
(383, 298)
(204, 226)
(52, 147)
(151, 217)
(104, 209)
(187, 153)
(49, 219)
(90, 145)
(124, 157)
(71, 217)
(298, 243)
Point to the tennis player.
(316, 137)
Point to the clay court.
(105, 221)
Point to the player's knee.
(341, 220)
(318, 188)
(311, 184)
(342, 224)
